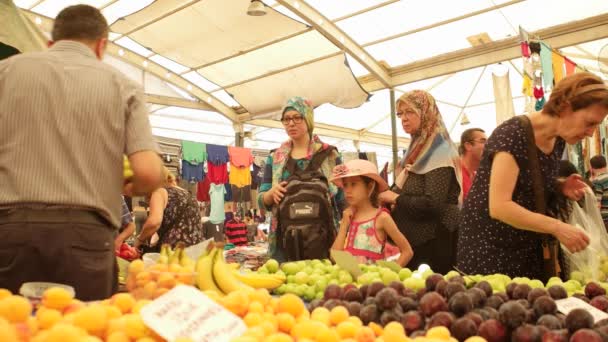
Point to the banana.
(260, 281)
(127, 172)
(204, 277)
(164, 254)
(177, 253)
(222, 273)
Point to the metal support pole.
(394, 130)
(239, 139)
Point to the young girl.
(365, 226)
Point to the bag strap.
(319, 158)
(538, 184)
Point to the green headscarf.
(304, 107)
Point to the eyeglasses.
(407, 114)
(481, 141)
(296, 120)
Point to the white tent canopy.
(210, 70)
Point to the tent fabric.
(18, 31)
(503, 98)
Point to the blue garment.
(192, 173)
(546, 63)
(228, 193)
(217, 154)
(126, 216)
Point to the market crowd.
(489, 206)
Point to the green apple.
(307, 270)
(451, 274)
(405, 273)
(301, 278)
(345, 278)
(578, 276)
(327, 262)
(414, 283)
(291, 279)
(289, 268)
(272, 265)
(554, 281)
(571, 285)
(333, 281)
(388, 277)
(427, 273)
(321, 285)
(536, 284)
(281, 289)
(310, 293)
(313, 279)
(320, 295)
(262, 270)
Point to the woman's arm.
(158, 203)
(503, 178)
(385, 222)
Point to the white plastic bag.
(592, 262)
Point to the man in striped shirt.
(66, 119)
(599, 178)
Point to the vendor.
(501, 231)
(174, 216)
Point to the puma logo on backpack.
(306, 221)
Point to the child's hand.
(347, 216)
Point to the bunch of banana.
(174, 260)
(214, 274)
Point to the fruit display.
(61, 318)
(127, 172)
(173, 267)
(127, 252)
(215, 275)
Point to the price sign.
(568, 304)
(346, 261)
(186, 312)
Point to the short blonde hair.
(578, 91)
(167, 176)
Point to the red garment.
(525, 49)
(539, 93)
(217, 174)
(236, 232)
(467, 181)
(570, 66)
(202, 190)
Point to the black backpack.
(306, 228)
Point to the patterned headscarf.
(304, 107)
(431, 146)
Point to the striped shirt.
(125, 216)
(66, 119)
(236, 232)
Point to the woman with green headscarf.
(298, 119)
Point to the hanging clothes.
(503, 98)
(557, 61)
(236, 232)
(526, 88)
(192, 173)
(194, 152)
(540, 103)
(241, 194)
(217, 154)
(228, 193)
(525, 49)
(570, 66)
(202, 190)
(239, 176)
(218, 174)
(256, 176)
(216, 193)
(546, 63)
(240, 156)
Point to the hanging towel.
(546, 63)
(503, 98)
(570, 66)
(240, 156)
(558, 66)
(194, 152)
(217, 154)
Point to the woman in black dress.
(425, 194)
(500, 231)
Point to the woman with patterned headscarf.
(298, 119)
(426, 193)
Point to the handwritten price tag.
(568, 304)
(186, 312)
(346, 261)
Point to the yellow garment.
(239, 176)
(558, 66)
(527, 86)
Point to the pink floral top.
(362, 240)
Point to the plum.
(602, 330)
(332, 291)
(578, 319)
(492, 313)
(453, 288)
(315, 303)
(369, 313)
(557, 292)
(475, 317)
(463, 328)
(550, 321)
(521, 291)
(486, 287)
(412, 321)
(524, 303)
(457, 279)
(600, 302)
(332, 303)
(354, 308)
(535, 293)
(407, 292)
(420, 293)
(368, 301)
(526, 333)
(555, 336)
(417, 333)
(478, 297)
(509, 288)
(352, 295)
(397, 286)
(512, 314)
(431, 303)
(374, 288)
(544, 305)
(441, 286)
(593, 289)
(348, 287)
(387, 299)
(391, 316)
(432, 281)
(586, 335)
(408, 304)
(460, 304)
(363, 291)
(531, 317)
(502, 295)
(442, 318)
(493, 331)
(494, 302)
(600, 323)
